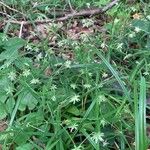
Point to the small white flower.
(39, 56)
(87, 22)
(84, 37)
(132, 35)
(63, 42)
(97, 137)
(146, 73)
(119, 46)
(103, 45)
(12, 76)
(73, 86)
(58, 64)
(87, 86)
(137, 29)
(9, 90)
(90, 74)
(47, 8)
(148, 17)
(34, 81)
(116, 21)
(26, 72)
(127, 56)
(68, 64)
(88, 5)
(74, 99)
(53, 98)
(104, 75)
(101, 98)
(53, 87)
(4, 38)
(77, 148)
(28, 47)
(73, 127)
(103, 122)
(105, 143)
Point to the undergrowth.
(75, 91)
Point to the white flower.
(58, 64)
(28, 47)
(127, 56)
(88, 5)
(132, 35)
(97, 137)
(101, 98)
(68, 64)
(26, 72)
(87, 22)
(12, 76)
(148, 17)
(119, 46)
(9, 90)
(146, 73)
(103, 45)
(63, 42)
(105, 143)
(90, 74)
(104, 75)
(84, 37)
(39, 56)
(73, 127)
(53, 98)
(137, 29)
(34, 81)
(116, 21)
(53, 87)
(47, 8)
(77, 148)
(73, 86)
(87, 86)
(74, 99)
(103, 122)
(4, 38)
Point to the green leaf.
(11, 51)
(73, 110)
(27, 146)
(142, 24)
(27, 100)
(10, 104)
(3, 112)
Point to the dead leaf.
(136, 16)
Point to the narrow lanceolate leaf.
(140, 117)
(115, 74)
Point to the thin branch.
(87, 12)
(21, 27)
(12, 9)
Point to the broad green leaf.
(11, 51)
(3, 112)
(27, 146)
(10, 104)
(142, 24)
(27, 100)
(73, 110)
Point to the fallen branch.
(87, 12)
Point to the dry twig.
(87, 12)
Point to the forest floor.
(74, 75)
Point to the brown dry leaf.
(136, 16)
(3, 125)
(48, 71)
(75, 33)
(43, 30)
